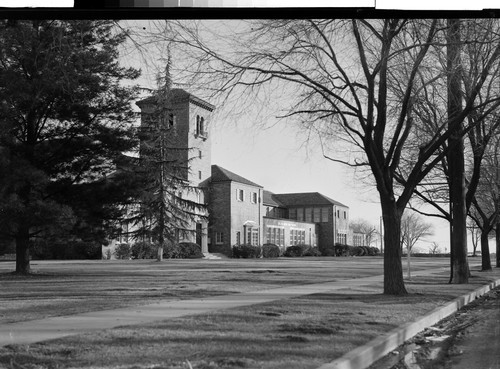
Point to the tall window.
(239, 195)
(238, 238)
(317, 215)
(300, 214)
(324, 215)
(171, 120)
(200, 126)
(219, 237)
(292, 213)
(199, 174)
(254, 198)
(200, 155)
(309, 214)
(255, 236)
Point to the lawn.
(301, 332)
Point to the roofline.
(331, 201)
(191, 98)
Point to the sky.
(278, 158)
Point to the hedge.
(270, 250)
(245, 251)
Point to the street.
(469, 339)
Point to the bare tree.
(337, 75)
(475, 235)
(413, 229)
(434, 248)
(486, 202)
(450, 188)
(365, 227)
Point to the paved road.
(479, 345)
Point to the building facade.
(239, 210)
(242, 212)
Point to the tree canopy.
(65, 118)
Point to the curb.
(364, 356)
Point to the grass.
(302, 332)
(63, 288)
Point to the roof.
(269, 198)
(220, 174)
(305, 198)
(180, 95)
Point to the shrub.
(144, 250)
(171, 250)
(293, 251)
(373, 251)
(65, 250)
(342, 250)
(190, 250)
(270, 250)
(122, 251)
(182, 250)
(107, 255)
(246, 251)
(312, 251)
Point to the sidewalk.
(56, 327)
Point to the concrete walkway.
(56, 327)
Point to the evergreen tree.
(166, 207)
(65, 118)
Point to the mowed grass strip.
(301, 332)
(65, 288)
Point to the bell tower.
(189, 121)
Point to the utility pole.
(408, 248)
(381, 236)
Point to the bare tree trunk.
(23, 251)
(485, 249)
(393, 269)
(161, 238)
(497, 239)
(458, 241)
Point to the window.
(200, 127)
(309, 212)
(254, 198)
(255, 236)
(252, 236)
(268, 235)
(300, 214)
(219, 238)
(240, 195)
(199, 174)
(345, 215)
(317, 215)
(324, 215)
(200, 154)
(238, 238)
(338, 213)
(171, 120)
(292, 213)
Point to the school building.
(239, 210)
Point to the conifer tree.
(65, 117)
(165, 209)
